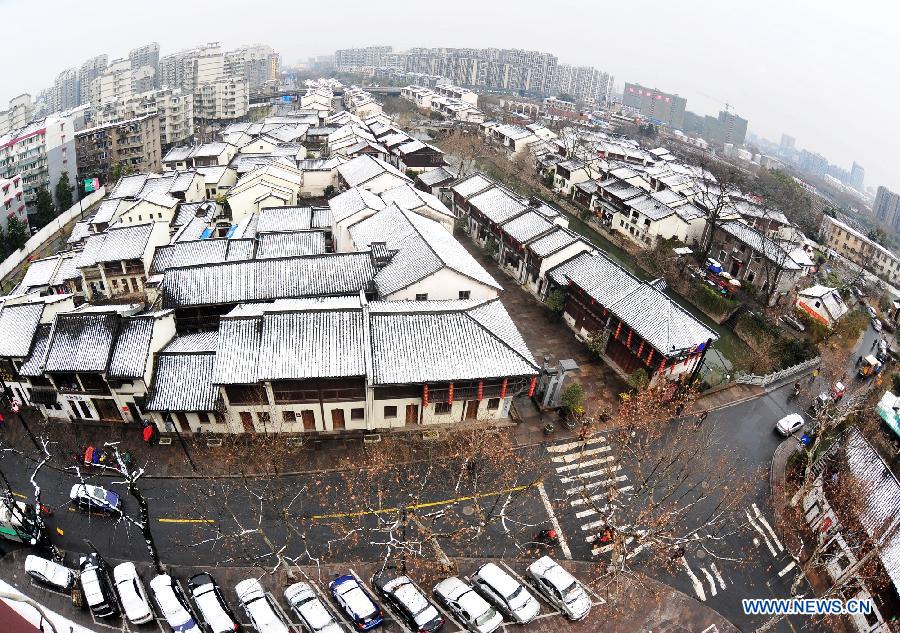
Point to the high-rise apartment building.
(732, 128)
(114, 83)
(147, 55)
(886, 208)
(134, 143)
(19, 112)
(585, 84)
(12, 201)
(857, 176)
(65, 90)
(788, 143)
(513, 70)
(369, 57)
(174, 107)
(87, 72)
(193, 67)
(257, 65)
(813, 163)
(655, 105)
(222, 100)
(39, 152)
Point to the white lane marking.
(715, 571)
(564, 546)
(577, 465)
(585, 513)
(326, 604)
(768, 527)
(761, 533)
(572, 457)
(790, 566)
(596, 551)
(565, 448)
(712, 583)
(589, 474)
(698, 586)
(637, 550)
(597, 484)
(580, 501)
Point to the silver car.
(309, 608)
(506, 593)
(559, 587)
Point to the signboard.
(91, 184)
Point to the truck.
(18, 521)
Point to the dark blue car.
(356, 602)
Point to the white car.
(876, 325)
(95, 499)
(506, 593)
(872, 312)
(132, 594)
(213, 610)
(559, 587)
(49, 573)
(259, 608)
(474, 611)
(310, 609)
(173, 604)
(790, 423)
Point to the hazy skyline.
(818, 71)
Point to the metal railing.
(768, 379)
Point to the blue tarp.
(231, 230)
(207, 233)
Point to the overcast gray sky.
(823, 71)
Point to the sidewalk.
(635, 605)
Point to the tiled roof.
(68, 269)
(761, 244)
(183, 382)
(409, 198)
(18, 323)
(277, 219)
(40, 272)
(266, 279)
(196, 252)
(471, 185)
(193, 343)
(293, 244)
(554, 241)
(364, 168)
(33, 364)
(130, 354)
(442, 345)
(82, 342)
(436, 176)
(116, 244)
(527, 226)
(498, 205)
(80, 231)
(650, 313)
(352, 201)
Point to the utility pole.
(7, 394)
(180, 440)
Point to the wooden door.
(472, 410)
(337, 419)
(309, 420)
(412, 414)
(247, 421)
(183, 423)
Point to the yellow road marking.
(185, 520)
(20, 496)
(419, 506)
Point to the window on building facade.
(357, 414)
(465, 294)
(493, 403)
(442, 408)
(390, 412)
(422, 297)
(289, 417)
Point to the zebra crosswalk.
(589, 474)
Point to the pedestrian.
(859, 361)
(2, 421)
(701, 418)
(875, 343)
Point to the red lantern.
(450, 394)
(532, 386)
(424, 395)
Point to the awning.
(44, 395)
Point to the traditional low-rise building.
(206, 155)
(822, 303)
(633, 323)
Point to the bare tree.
(716, 183)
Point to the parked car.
(506, 593)
(559, 587)
(356, 602)
(95, 499)
(872, 312)
(173, 604)
(409, 602)
(259, 607)
(95, 584)
(790, 424)
(214, 612)
(309, 608)
(461, 600)
(132, 594)
(793, 322)
(876, 325)
(49, 573)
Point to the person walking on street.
(701, 418)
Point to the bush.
(329, 191)
(572, 398)
(712, 301)
(556, 301)
(638, 379)
(794, 351)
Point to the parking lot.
(549, 618)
